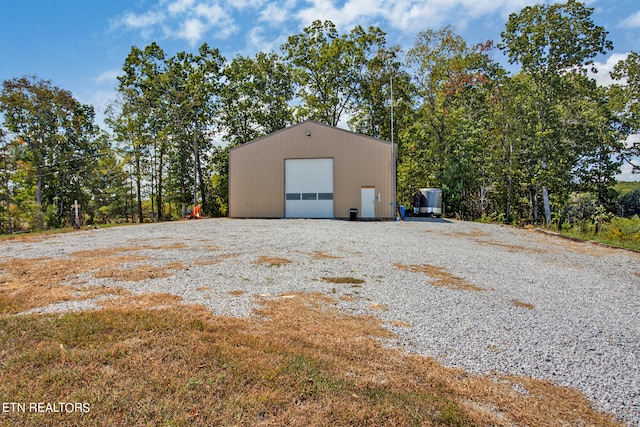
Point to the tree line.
(515, 148)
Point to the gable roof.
(313, 122)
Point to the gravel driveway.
(476, 296)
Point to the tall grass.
(619, 232)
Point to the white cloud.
(247, 4)
(632, 21)
(626, 172)
(189, 20)
(109, 76)
(145, 20)
(192, 30)
(274, 14)
(211, 12)
(348, 15)
(409, 15)
(217, 17)
(604, 68)
(179, 6)
(261, 40)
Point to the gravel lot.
(547, 308)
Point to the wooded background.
(542, 145)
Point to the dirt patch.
(345, 280)
(400, 324)
(441, 277)
(521, 304)
(510, 248)
(205, 262)
(321, 255)
(272, 261)
(136, 244)
(472, 233)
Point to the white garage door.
(308, 188)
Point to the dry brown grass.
(205, 262)
(378, 306)
(563, 243)
(136, 244)
(141, 301)
(37, 282)
(300, 361)
(510, 247)
(441, 277)
(133, 274)
(343, 280)
(521, 304)
(272, 261)
(321, 255)
(472, 233)
(400, 324)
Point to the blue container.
(402, 212)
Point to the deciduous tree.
(549, 41)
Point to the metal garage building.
(311, 170)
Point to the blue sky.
(80, 45)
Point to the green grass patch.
(619, 232)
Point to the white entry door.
(367, 202)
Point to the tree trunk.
(545, 193)
(139, 189)
(534, 203)
(547, 205)
(39, 213)
(203, 190)
(159, 199)
(7, 194)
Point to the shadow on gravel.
(426, 219)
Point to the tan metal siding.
(256, 174)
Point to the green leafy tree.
(550, 41)
(107, 184)
(445, 143)
(514, 119)
(625, 97)
(127, 123)
(328, 68)
(194, 84)
(595, 132)
(59, 135)
(142, 90)
(254, 101)
(7, 165)
(383, 81)
(255, 98)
